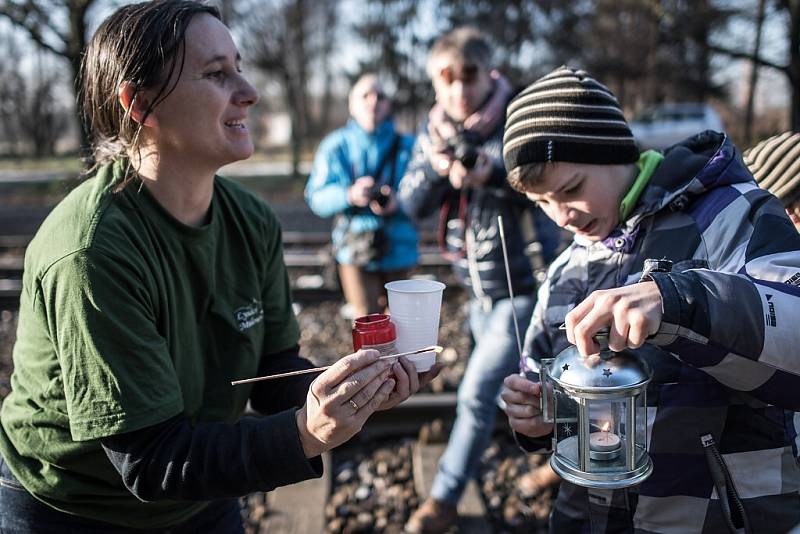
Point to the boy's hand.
(523, 406)
(632, 312)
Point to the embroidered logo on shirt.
(249, 315)
(771, 318)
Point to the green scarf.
(648, 161)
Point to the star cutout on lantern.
(607, 373)
(566, 430)
(566, 367)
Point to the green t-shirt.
(128, 318)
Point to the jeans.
(494, 357)
(21, 513)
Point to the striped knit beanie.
(567, 116)
(775, 163)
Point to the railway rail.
(303, 251)
(418, 421)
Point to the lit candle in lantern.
(604, 441)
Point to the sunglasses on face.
(467, 74)
(379, 95)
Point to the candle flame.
(605, 426)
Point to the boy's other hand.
(523, 406)
(632, 312)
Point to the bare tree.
(751, 86)
(646, 50)
(41, 121)
(58, 26)
(12, 91)
(510, 26)
(279, 36)
(397, 49)
(330, 24)
(789, 12)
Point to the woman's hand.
(632, 312)
(522, 398)
(408, 381)
(341, 400)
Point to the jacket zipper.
(732, 507)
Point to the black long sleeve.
(277, 395)
(175, 460)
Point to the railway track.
(307, 254)
(336, 502)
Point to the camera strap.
(388, 158)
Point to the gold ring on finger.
(353, 404)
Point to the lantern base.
(602, 474)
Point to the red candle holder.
(374, 331)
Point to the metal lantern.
(598, 407)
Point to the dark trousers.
(21, 513)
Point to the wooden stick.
(433, 348)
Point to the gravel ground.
(373, 487)
(326, 335)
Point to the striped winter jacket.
(726, 359)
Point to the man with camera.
(457, 169)
(354, 178)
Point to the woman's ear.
(136, 104)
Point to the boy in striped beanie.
(719, 331)
(775, 164)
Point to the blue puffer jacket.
(349, 153)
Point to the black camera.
(375, 193)
(464, 147)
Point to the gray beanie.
(567, 116)
(775, 163)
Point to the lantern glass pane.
(566, 426)
(607, 434)
(641, 421)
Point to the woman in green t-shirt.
(150, 288)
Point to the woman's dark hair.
(141, 44)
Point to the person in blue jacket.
(356, 172)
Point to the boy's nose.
(563, 215)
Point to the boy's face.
(793, 211)
(582, 198)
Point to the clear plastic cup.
(414, 308)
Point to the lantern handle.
(601, 337)
(544, 405)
